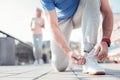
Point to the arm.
(102, 48)
(107, 19)
(56, 34)
(31, 24)
(43, 23)
(59, 39)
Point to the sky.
(15, 17)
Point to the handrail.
(8, 35)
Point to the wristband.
(107, 40)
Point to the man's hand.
(101, 51)
(77, 59)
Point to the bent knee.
(60, 67)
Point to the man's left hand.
(101, 51)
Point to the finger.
(75, 57)
(101, 58)
(81, 61)
(102, 55)
(96, 52)
(74, 60)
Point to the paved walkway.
(45, 72)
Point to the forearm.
(31, 26)
(107, 25)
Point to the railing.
(12, 53)
(8, 35)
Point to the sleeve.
(48, 4)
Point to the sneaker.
(92, 67)
(40, 62)
(36, 62)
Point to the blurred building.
(7, 51)
(24, 54)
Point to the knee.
(60, 67)
(63, 69)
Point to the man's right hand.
(58, 37)
(77, 59)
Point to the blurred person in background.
(36, 26)
(65, 15)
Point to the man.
(64, 15)
(37, 24)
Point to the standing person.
(64, 15)
(37, 24)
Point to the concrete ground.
(45, 72)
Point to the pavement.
(45, 72)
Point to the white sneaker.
(36, 62)
(41, 62)
(91, 66)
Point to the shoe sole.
(95, 73)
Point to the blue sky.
(15, 17)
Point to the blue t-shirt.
(64, 8)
